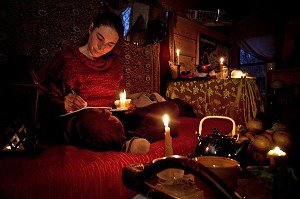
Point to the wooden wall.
(185, 35)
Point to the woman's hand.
(73, 102)
(130, 109)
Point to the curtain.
(262, 34)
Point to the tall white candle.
(177, 57)
(168, 138)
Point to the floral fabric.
(239, 99)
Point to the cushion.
(144, 99)
(185, 109)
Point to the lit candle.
(168, 138)
(177, 56)
(277, 158)
(221, 64)
(221, 61)
(123, 100)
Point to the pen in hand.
(72, 91)
(74, 102)
(69, 89)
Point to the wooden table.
(250, 184)
(237, 98)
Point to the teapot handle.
(220, 117)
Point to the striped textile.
(68, 172)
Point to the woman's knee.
(100, 129)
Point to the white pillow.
(144, 99)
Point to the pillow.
(144, 98)
(151, 126)
(141, 99)
(185, 109)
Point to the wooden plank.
(190, 29)
(188, 50)
(189, 63)
(198, 49)
(185, 28)
(186, 38)
(187, 46)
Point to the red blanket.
(68, 172)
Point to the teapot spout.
(242, 148)
(242, 153)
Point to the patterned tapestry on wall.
(141, 67)
(211, 51)
(40, 29)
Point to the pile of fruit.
(264, 140)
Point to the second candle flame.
(166, 120)
(123, 95)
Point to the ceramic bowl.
(225, 168)
(171, 174)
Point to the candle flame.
(123, 95)
(221, 60)
(177, 52)
(276, 151)
(166, 120)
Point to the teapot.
(216, 144)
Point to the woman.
(91, 75)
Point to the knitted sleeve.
(56, 89)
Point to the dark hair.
(110, 19)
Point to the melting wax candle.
(221, 62)
(123, 100)
(177, 57)
(168, 138)
(277, 158)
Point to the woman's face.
(102, 40)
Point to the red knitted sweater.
(97, 82)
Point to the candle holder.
(224, 72)
(122, 105)
(170, 176)
(277, 159)
(178, 70)
(277, 162)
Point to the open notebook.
(93, 107)
(87, 107)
